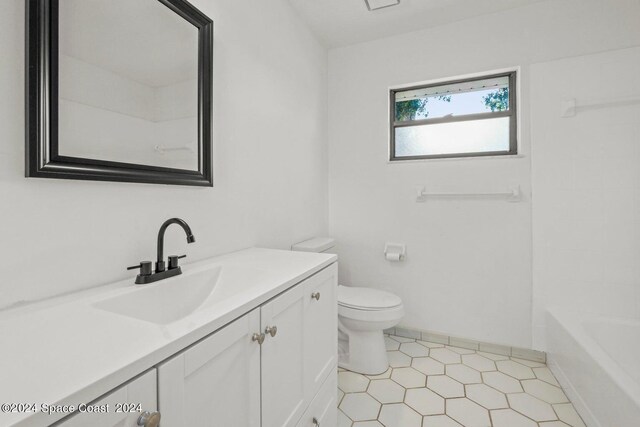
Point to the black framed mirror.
(119, 90)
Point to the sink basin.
(173, 299)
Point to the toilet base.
(363, 352)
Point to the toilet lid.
(366, 298)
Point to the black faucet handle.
(146, 268)
(173, 260)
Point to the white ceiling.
(343, 22)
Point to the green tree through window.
(409, 110)
(498, 100)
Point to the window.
(462, 118)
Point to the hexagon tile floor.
(433, 385)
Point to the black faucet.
(162, 271)
(190, 239)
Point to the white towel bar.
(570, 107)
(162, 150)
(513, 195)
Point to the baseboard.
(519, 352)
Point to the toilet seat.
(367, 299)
(372, 316)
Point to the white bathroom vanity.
(246, 339)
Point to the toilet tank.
(317, 244)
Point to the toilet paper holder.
(395, 251)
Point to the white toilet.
(363, 315)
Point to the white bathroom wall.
(270, 164)
(468, 271)
(586, 180)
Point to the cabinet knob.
(316, 422)
(258, 337)
(149, 419)
(271, 330)
(316, 296)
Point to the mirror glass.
(128, 83)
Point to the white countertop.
(67, 351)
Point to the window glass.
(480, 96)
(458, 118)
(453, 138)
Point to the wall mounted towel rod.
(162, 150)
(570, 107)
(512, 195)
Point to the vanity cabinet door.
(283, 384)
(136, 396)
(216, 382)
(321, 329)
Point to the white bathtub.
(597, 361)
